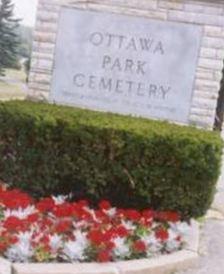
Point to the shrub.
(47, 149)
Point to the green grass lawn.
(12, 86)
(10, 91)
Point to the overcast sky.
(26, 9)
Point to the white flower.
(80, 224)
(172, 243)
(25, 237)
(81, 238)
(128, 225)
(111, 212)
(154, 246)
(121, 248)
(155, 225)
(22, 251)
(55, 242)
(75, 250)
(21, 213)
(182, 228)
(60, 199)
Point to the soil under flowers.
(56, 230)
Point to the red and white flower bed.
(55, 230)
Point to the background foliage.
(9, 40)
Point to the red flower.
(103, 217)
(139, 246)
(45, 240)
(45, 205)
(13, 223)
(32, 218)
(50, 218)
(104, 205)
(96, 237)
(63, 210)
(148, 214)
(168, 216)
(6, 239)
(45, 223)
(3, 246)
(110, 245)
(63, 226)
(104, 256)
(120, 212)
(83, 203)
(81, 213)
(121, 231)
(162, 234)
(133, 214)
(173, 216)
(178, 238)
(15, 199)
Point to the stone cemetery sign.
(156, 58)
(126, 65)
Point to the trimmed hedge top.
(47, 149)
(75, 117)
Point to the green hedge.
(47, 149)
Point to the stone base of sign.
(218, 203)
(165, 264)
(162, 265)
(5, 267)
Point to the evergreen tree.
(9, 40)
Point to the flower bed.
(55, 230)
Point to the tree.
(27, 68)
(9, 40)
